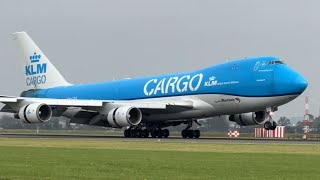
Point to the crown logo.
(212, 78)
(35, 58)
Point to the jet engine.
(248, 119)
(35, 113)
(124, 116)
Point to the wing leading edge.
(150, 104)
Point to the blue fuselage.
(250, 77)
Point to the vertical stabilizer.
(38, 70)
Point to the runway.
(170, 139)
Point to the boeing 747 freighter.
(246, 90)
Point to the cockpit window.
(275, 62)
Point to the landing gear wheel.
(126, 133)
(190, 134)
(145, 133)
(139, 133)
(196, 134)
(184, 133)
(159, 133)
(274, 125)
(268, 125)
(166, 133)
(132, 133)
(154, 133)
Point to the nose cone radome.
(288, 81)
(300, 84)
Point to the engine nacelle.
(248, 119)
(124, 116)
(35, 113)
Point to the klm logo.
(35, 58)
(36, 68)
(212, 81)
(36, 71)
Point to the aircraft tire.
(274, 125)
(145, 133)
(154, 134)
(196, 134)
(184, 133)
(267, 125)
(190, 134)
(159, 133)
(139, 133)
(165, 133)
(136, 133)
(131, 134)
(126, 133)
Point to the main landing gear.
(156, 130)
(136, 133)
(139, 133)
(160, 133)
(188, 133)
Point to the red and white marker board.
(279, 132)
(233, 133)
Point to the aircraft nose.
(300, 83)
(289, 81)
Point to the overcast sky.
(98, 40)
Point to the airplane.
(246, 90)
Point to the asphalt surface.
(170, 139)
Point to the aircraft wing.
(141, 104)
(89, 111)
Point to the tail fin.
(39, 72)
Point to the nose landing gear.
(270, 124)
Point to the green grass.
(138, 159)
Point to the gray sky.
(97, 40)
